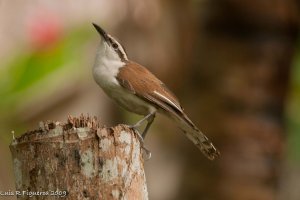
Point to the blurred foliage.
(24, 77)
(293, 110)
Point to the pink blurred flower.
(44, 30)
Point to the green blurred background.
(235, 66)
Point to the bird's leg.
(150, 121)
(139, 123)
(141, 139)
(150, 117)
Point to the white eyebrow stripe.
(166, 99)
(123, 52)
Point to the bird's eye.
(114, 45)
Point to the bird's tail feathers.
(197, 137)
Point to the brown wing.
(144, 84)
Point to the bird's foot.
(146, 152)
(140, 137)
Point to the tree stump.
(79, 160)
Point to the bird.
(136, 89)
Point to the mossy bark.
(79, 160)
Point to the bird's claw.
(141, 139)
(146, 151)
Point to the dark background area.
(234, 65)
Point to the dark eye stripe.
(122, 56)
(110, 40)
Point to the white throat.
(106, 65)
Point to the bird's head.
(109, 46)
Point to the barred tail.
(197, 137)
(203, 143)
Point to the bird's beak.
(101, 32)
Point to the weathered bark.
(79, 159)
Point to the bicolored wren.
(137, 90)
